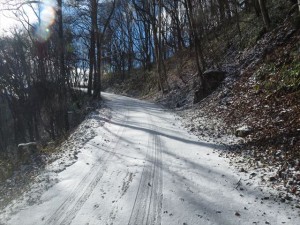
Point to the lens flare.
(47, 15)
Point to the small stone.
(287, 197)
(243, 170)
(237, 214)
(243, 131)
(272, 179)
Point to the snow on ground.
(65, 157)
(250, 168)
(142, 167)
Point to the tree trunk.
(256, 7)
(62, 66)
(265, 14)
(97, 88)
(200, 62)
(91, 65)
(157, 45)
(36, 127)
(221, 10)
(93, 62)
(237, 19)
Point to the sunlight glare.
(47, 19)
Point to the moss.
(290, 76)
(272, 79)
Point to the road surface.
(143, 168)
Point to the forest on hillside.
(56, 47)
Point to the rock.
(252, 175)
(272, 179)
(289, 198)
(212, 79)
(243, 131)
(278, 153)
(243, 170)
(199, 95)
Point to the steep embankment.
(260, 95)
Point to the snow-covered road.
(143, 168)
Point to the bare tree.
(265, 14)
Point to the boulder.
(199, 95)
(212, 79)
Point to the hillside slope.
(260, 95)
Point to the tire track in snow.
(115, 210)
(148, 202)
(95, 175)
(125, 186)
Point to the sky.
(5, 21)
(9, 20)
